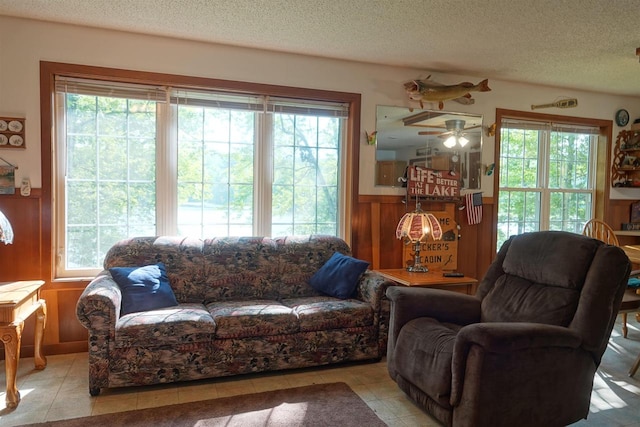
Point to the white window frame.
(546, 128)
(166, 183)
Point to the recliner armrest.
(499, 337)
(445, 306)
(411, 303)
(507, 339)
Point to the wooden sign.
(438, 254)
(432, 183)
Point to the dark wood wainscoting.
(374, 223)
(22, 260)
(619, 212)
(25, 260)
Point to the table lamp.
(6, 232)
(415, 227)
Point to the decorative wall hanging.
(563, 103)
(7, 177)
(371, 137)
(430, 91)
(622, 117)
(423, 182)
(12, 132)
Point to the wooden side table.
(431, 279)
(18, 301)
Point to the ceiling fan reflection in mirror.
(454, 134)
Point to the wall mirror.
(434, 139)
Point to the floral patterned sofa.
(244, 305)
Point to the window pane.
(140, 151)
(110, 185)
(112, 198)
(282, 201)
(530, 201)
(82, 247)
(569, 160)
(81, 158)
(518, 212)
(306, 162)
(81, 115)
(328, 132)
(112, 158)
(519, 158)
(569, 211)
(215, 171)
(82, 202)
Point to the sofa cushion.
(338, 277)
(299, 258)
(143, 288)
(183, 324)
(323, 313)
(239, 268)
(182, 257)
(254, 318)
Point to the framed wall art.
(12, 133)
(7, 177)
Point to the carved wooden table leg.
(19, 300)
(11, 335)
(41, 323)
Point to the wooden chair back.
(631, 300)
(600, 230)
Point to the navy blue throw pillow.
(339, 276)
(143, 288)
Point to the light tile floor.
(61, 390)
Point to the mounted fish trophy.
(430, 91)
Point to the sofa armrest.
(98, 308)
(509, 348)
(372, 287)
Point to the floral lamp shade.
(6, 232)
(415, 227)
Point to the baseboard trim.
(53, 349)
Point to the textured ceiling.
(582, 44)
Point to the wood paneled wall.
(27, 259)
(374, 227)
(618, 212)
(22, 260)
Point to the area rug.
(333, 404)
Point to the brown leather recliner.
(524, 350)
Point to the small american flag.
(473, 205)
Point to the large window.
(547, 177)
(144, 160)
